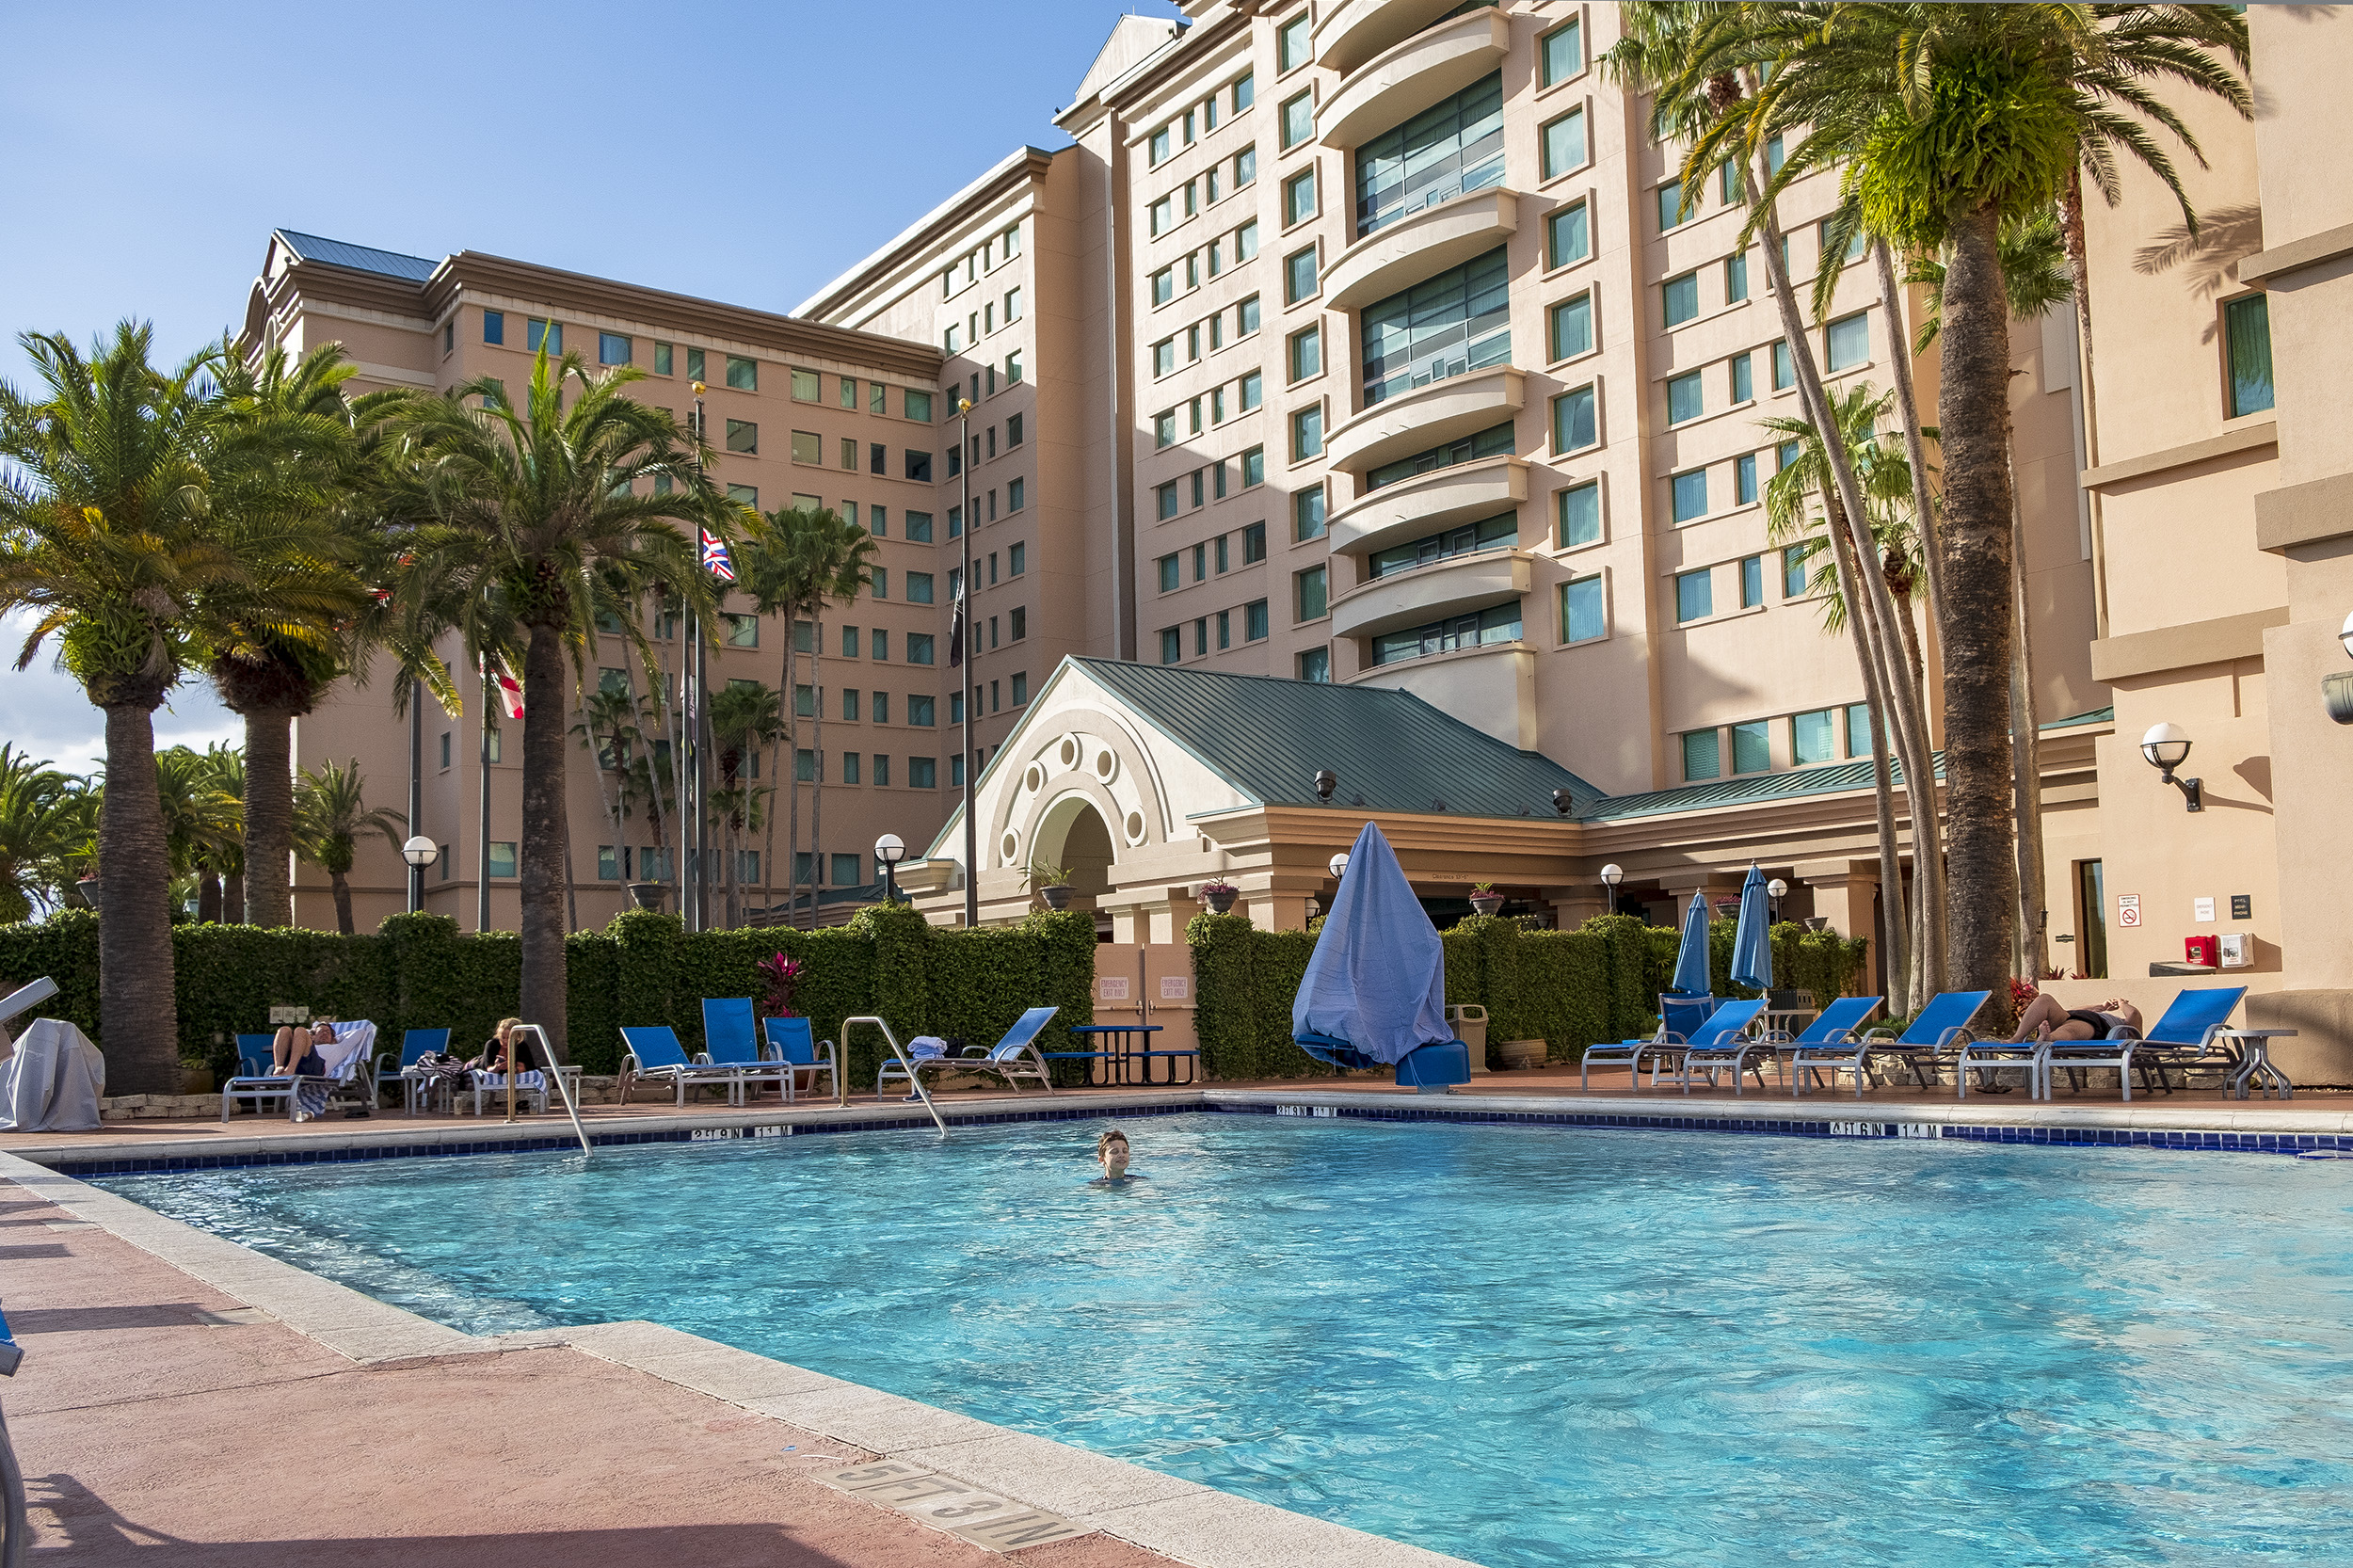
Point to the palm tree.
(220, 887)
(106, 536)
(330, 815)
(1947, 122)
(745, 721)
(42, 823)
(200, 818)
(524, 509)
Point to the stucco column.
(1846, 894)
(1573, 907)
(1272, 909)
(1689, 885)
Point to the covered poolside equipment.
(1374, 993)
(1690, 978)
(1752, 939)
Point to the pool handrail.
(554, 1074)
(892, 1040)
(1003, 1058)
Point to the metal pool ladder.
(841, 1085)
(555, 1076)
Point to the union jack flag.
(715, 557)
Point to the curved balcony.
(1421, 594)
(1420, 247)
(1350, 32)
(1411, 509)
(1491, 688)
(1417, 73)
(1426, 417)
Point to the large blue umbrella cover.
(1377, 978)
(1691, 976)
(1752, 941)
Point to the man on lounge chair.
(2043, 1018)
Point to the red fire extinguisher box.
(2202, 950)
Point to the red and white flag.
(509, 690)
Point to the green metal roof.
(1393, 751)
(1789, 784)
(2098, 715)
(359, 258)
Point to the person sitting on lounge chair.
(2043, 1018)
(493, 1056)
(1113, 1154)
(293, 1044)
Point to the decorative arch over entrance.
(1071, 833)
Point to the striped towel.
(530, 1079)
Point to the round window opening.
(1069, 751)
(1035, 779)
(1012, 847)
(1135, 827)
(1106, 765)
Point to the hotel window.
(918, 405)
(1016, 624)
(1447, 149)
(849, 641)
(1312, 593)
(695, 365)
(1307, 433)
(919, 527)
(1246, 90)
(1254, 622)
(1681, 297)
(1164, 357)
(1752, 582)
(849, 392)
(1737, 279)
(1671, 208)
(849, 462)
(612, 349)
(1012, 431)
(1684, 401)
(745, 495)
(1563, 52)
(1160, 216)
(1299, 119)
(1752, 746)
(1254, 467)
(919, 647)
(881, 715)
(1568, 235)
(1773, 155)
(1813, 737)
(1824, 238)
(1858, 729)
(744, 436)
(502, 858)
(744, 375)
(1299, 197)
(1743, 379)
(1299, 276)
(1246, 317)
(1171, 644)
(1485, 628)
(849, 704)
(921, 711)
(1164, 429)
(1016, 494)
(1316, 665)
(1292, 45)
(880, 651)
(1563, 145)
(1200, 637)
(1574, 426)
(919, 587)
(1164, 501)
(1849, 341)
(2246, 334)
(1157, 148)
(808, 446)
(1452, 324)
(1494, 442)
(1012, 368)
(1744, 479)
(1785, 370)
(1253, 543)
(1224, 630)
(1200, 562)
(1307, 514)
(495, 326)
(1306, 354)
(1793, 570)
(1581, 615)
(1245, 167)
(1703, 756)
(612, 867)
(1471, 538)
(923, 772)
(742, 630)
(540, 334)
(1171, 574)
(1689, 491)
(1013, 306)
(1695, 596)
(1163, 290)
(1579, 521)
(1570, 327)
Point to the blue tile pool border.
(2316, 1145)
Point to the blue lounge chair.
(1941, 1028)
(731, 1039)
(652, 1052)
(257, 1078)
(414, 1043)
(1678, 1015)
(2195, 1027)
(796, 1046)
(1005, 1057)
(352, 1078)
(1834, 1025)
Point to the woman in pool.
(1113, 1154)
(2045, 1019)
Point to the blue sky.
(744, 153)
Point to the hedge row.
(419, 971)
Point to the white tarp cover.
(53, 1081)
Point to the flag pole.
(969, 691)
(482, 838)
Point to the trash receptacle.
(1470, 1027)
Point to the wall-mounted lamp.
(2167, 747)
(2336, 690)
(1326, 781)
(1338, 865)
(1775, 890)
(1610, 877)
(1561, 802)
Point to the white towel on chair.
(927, 1044)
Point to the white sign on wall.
(2202, 909)
(2128, 909)
(1111, 987)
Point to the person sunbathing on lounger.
(2044, 1019)
(293, 1043)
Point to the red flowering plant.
(2021, 993)
(780, 977)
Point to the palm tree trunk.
(1973, 413)
(572, 888)
(2026, 785)
(608, 793)
(138, 1018)
(544, 833)
(341, 887)
(1910, 632)
(1908, 410)
(232, 899)
(208, 896)
(1895, 944)
(792, 740)
(269, 817)
(817, 745)
(1872, 608)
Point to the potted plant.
(1219, 895)
(1050, 883)
(648, 895)
(1486, 899)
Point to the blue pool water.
(1519, 1345)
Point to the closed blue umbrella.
(1753, 942)
(1691, 976)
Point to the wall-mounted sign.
(2128, 909)
(2201, 909)
(2242, 907)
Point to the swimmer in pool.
(1113, 1154)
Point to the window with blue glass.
(612, 348)
(1744, 479)
(1743, 379)
(494, 326)
(1563, 52)
(1450, 325)
(1570, 327)
(1581, 615)
(1568, 235)
(1493, 442)
(1690, 494)
(1575, 423)
(1579, 509)
(1684, 400)
(1752, 582)
(1495, 532)
(1681, 296)
(2247, 329)
(1796, 563)
(1813, 737)
(1703, 756)
(1450, 148)
(1849, 342)
(1695, 596)
(1737, 279)
(1498, 624)
(1670, 209)
(1563, 148)
(1752, 746)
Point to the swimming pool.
(1519, 1345)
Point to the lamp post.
(964, 670)
(420, 852)
(692, 836)
(2167, 747)
(889, 849)
(1338, 865)
(1773, 890)
(1610, 876)
(416, 791)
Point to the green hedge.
(1568, 988)
(419, 971)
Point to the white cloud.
(45, 712)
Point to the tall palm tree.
(1946, 121)
(843, 555)
(745, 721)
(200, 819)
(42, 823)
(220, 887)
(525, 506)
(331, 814)
(107, 534)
